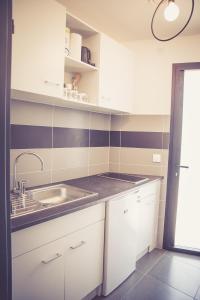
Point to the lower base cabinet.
(66, 269)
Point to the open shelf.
(73, 65)
(60, 102)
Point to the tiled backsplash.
(76, 143)
(72, 143)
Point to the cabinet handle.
(51, 83)
(138, 201)
(125, 211)
(79, 245)
(51, 259)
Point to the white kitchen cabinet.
(38, 47)
(39, 274)
(116, 75)
(65, 263)
(84, 261)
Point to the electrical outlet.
(156, 158)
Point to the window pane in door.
(187, 233)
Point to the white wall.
(153, 70)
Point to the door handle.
(181, 166)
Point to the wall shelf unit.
(73, 65)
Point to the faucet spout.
(15, 183)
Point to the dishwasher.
(120, 241)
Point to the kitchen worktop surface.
(105, 187)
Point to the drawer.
(35, 236)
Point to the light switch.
(156, 158)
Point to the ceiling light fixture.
(171, 13)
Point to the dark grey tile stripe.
(70, 137)
(99, 138)
(27, 137)
(115, 138)
(137, 139)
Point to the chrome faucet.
(19, 186)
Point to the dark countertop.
(105, 187)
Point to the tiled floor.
(161, 275)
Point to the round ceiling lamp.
(171, 13)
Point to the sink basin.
(44, 198)
(59, 194)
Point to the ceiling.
(128, 20)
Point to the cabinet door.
(84, 261)
(39, 274)
(38, 46)
(144, 222)
(116, 75)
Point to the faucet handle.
(22, 186)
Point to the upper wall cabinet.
(52, 48)
(115, 75)
(38, 47)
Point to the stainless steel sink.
(43, 198)
(59, 194)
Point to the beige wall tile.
(29, 163)
(139, 169)
(142, 123)
(69, 173)
(165, 157)
(164, 171)
(33, 179)
(67, 158)
(98, 155)
(97, 169)
(66, 117)
(116, 121)
(166, 123)
(27, 113)
(100, 121)
(141, 156)
(115, 155)
(114, 168)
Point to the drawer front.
(35, 236)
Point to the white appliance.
(120, 241)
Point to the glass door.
(182, 216)
(187, 229)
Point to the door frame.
(174, 155)
(5, 75)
